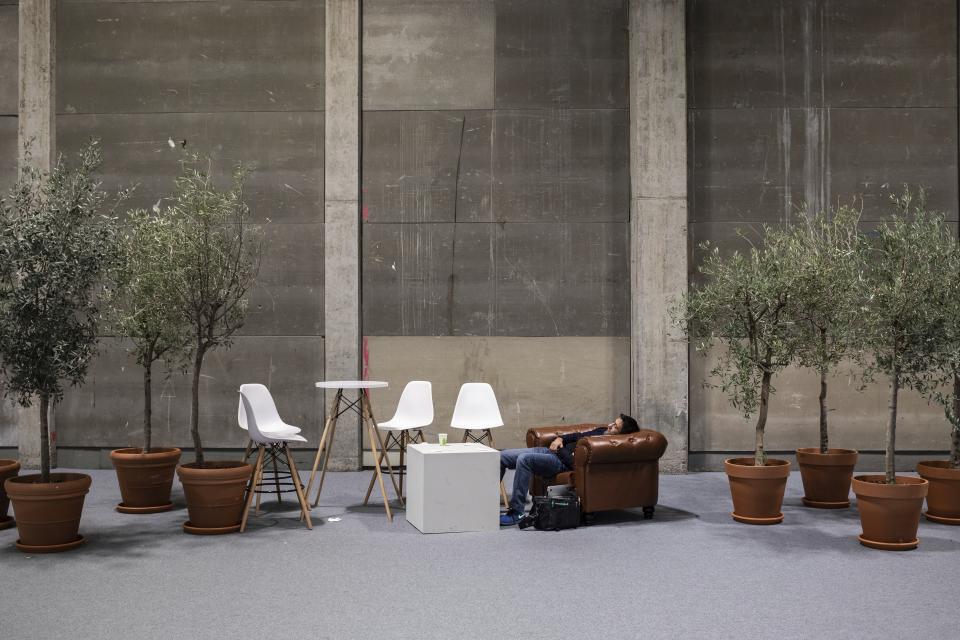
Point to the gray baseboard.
(868, 461)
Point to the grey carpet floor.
(690, 573)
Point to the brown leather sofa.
(609, 472)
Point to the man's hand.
(556, 444)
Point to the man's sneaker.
(509, 519)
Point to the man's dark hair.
(629, 424)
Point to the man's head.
(623, 424)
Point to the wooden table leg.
(365, 401)
(373, 478)
(326, 444)
(376, 468)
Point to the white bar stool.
(414, 411)
(477, 410)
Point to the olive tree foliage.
(744, 303)
(143, 308)
(824, 251)
(57, 245)
(942, 384)
(902, 324)
(217, 253)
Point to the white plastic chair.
(414, 411)
(261, 399)
(257, 411)
(477, 410)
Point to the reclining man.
(547, 462)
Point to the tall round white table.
(360, 406)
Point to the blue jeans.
(539, 461)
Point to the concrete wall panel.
(426, 166)
(538, 381)
(287, 299)
(875, 150)
(285, 149)
(748, 165)
(753, 53)
(541, 280)
(428, 54)
(407, 279)
(857, 419)
(889, 53)
(8, 153)
(9, 43)
(565, 53)
(561, 166)
(188, 57)
(108, 409)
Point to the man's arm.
(567, 438)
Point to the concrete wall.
(496, 204)
(815, 101)
(8, 153)
(242, 81)
(495, 186)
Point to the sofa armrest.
(543, 436)
(642, 446)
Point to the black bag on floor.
(553, 513)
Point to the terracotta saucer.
(51, 548)
(777, 519)
(6, 522)
(158, 509)
(209, 531)
(888, 546)
(928, 515)
(816, 504)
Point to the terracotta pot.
(145, 479)
(757, 492)
(943, 496)
(48, 513)
(826, 476)
(214, 495)
(890, 513)
(8, 469)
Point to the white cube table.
(453, 487)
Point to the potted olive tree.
(57, 244)
(901, 323)
(144, 314)
(943, 495)
(217, 251)
(824, 250)
(744, 304)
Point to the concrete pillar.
(342, 221)
(36, 125)
(658, 220)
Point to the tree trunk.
(760, 454)
(890, 461)
(44, 438)
(195, 409)
(955, 439)
(147, 405)
(824, 436)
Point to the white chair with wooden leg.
(477, 411)
(259, 391)
(266, 408)
(272, 442)
(414, 412)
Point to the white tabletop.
(351, 384)
(428, 448)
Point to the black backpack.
(553, 513)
